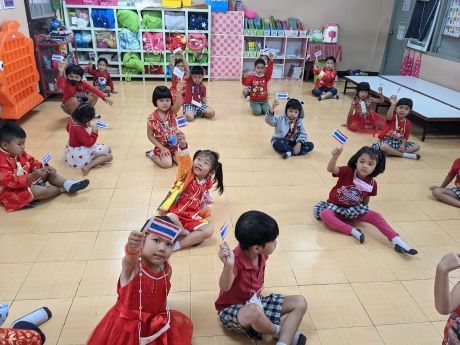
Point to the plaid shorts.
(272, 303)
(394, 143)
(456, 191)
(197, 111)
(79, 95)
(346, 212)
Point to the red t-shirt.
(198, 92)
(327, 80)
(80, 136)
(249, 279)
(345, 193)
(98, 74)
(259, 85)
(70, 91)
(403, 127)
(455, 172)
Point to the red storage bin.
(108, 2)
(74, 2)
(90, 2)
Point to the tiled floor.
(66, 253)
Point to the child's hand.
(449, 262)
(94, 129)
(50, 170)
(433, 187)
(164, 152)
(180, 86)
(36, 175)
(275, 104)
(271, 57)
(135, 240)
(226, 255)
(402, 147)
(108, 101)
(61, 66)
(337, 152)
(380, 89)
(394, 99)
(181, 140)
(297, 148)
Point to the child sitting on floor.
(189, 199)
(349, 198)
(258, 84)
(240, 306)
(290, 137)
(360, 116)
(195, 104)
(449, 196)
(393, 138)
(82, 151)
(101, 77)
(162, 126)
(324, 84)
(75, 89)
(141, 314)
(183, 66)
(448, 301)
(22, 177)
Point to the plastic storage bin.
(171, 3)
(218, 5)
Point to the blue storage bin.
(218, 5)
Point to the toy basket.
(217, 5)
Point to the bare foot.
(85, 170)
(114, 92)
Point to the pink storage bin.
(90, 2)
(74, 2)
(108, 2)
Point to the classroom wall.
(440, 71)
(19, 14)
(364, 25)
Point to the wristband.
(128, 253)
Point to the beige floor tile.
(124, 219)
(409, 334)
(329, 304)
(230, 339)
(180, 301)
(437, 210)
(452, 227)
(34, 221)
(205, 271)
(181, 277)
(278, 271)
(204, 315)
(350, 336)
(80, 220)
(13, 275)
(425, 233)
(21, 248)
(68, 247)
(100, 278)
(388, 303)
(135, 180)
(407, 267)
(97, 199)
(109, 245)
(52, 280)
(130, 198)
(440, 326)
(435, 254)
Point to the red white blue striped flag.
(223, 231)
(181, 121)
(46, 159)
(339, 136)
(162, 229)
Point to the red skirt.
(370, 124)
(115, 329)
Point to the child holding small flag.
(349, 198)
(181, 64)
(141, 314)
(290, 137)
(162, 126)
(189, 199)
(20, 173)
(324, 84)
(82, 151)
(240, 305)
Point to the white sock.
(288, 153)
(401, 243)
(323, 97)
(356, 233)
(409, 155)
(277, 332)
(68, 184)
(37, 317)
(176, 246)
(280, 343)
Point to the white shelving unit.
(116, 63)
(292, 55)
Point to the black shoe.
(361, 238)
(79, 186)
(401, 250)
(418, 156)
(336, 96)
(302, 339)
(285, 155)
(319, 98)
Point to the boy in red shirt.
(240, 306)
(195, 96)
(101, 78)
(258, 83)
(394, 136)
(324, 84)
(75, 89)
(449, 196)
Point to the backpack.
(103, 18)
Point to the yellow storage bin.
(171, 3)
(186, 2)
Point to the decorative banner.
(339, 136)
(102, 124)
(282, 95)
(46, 159)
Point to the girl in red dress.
(141, 315)
(360, 116)
(188, 200)
(183, 66)
(162, 126)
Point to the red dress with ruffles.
(120, 326)
(174, 81)
(163, 130)
(364, 119)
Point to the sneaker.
(97, 116)
(418, 156)
(337, 96)
(319, 98)
(78, 186)
(401, 250)
(149, 153)
(361, 238)
(248, 98)
(286, 155)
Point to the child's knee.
(437, 192)
(109, 156)
(207, 230)
(300, 303)
(209, 113)
(189, 116)
(326, 213)
(250, 313)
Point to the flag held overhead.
(339, 136)
(162, 228)
(223, 231)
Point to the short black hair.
(255, 228)
(332, 59)
(197, 70)
(84, 113)
(74, 69)
(161, 92)
(294, 103)
(10, 130)
(259, 61)
(374, 154)
(363, 86)
(102, 60)
(177, 61)
(405, 101)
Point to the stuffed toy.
(174, 41)
(133, 61)
(153, 41)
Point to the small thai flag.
(339, 136)
(46, 159)
(223, 231)
(282, 95)
(162, 229)
(181, 121)
(102, 124)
